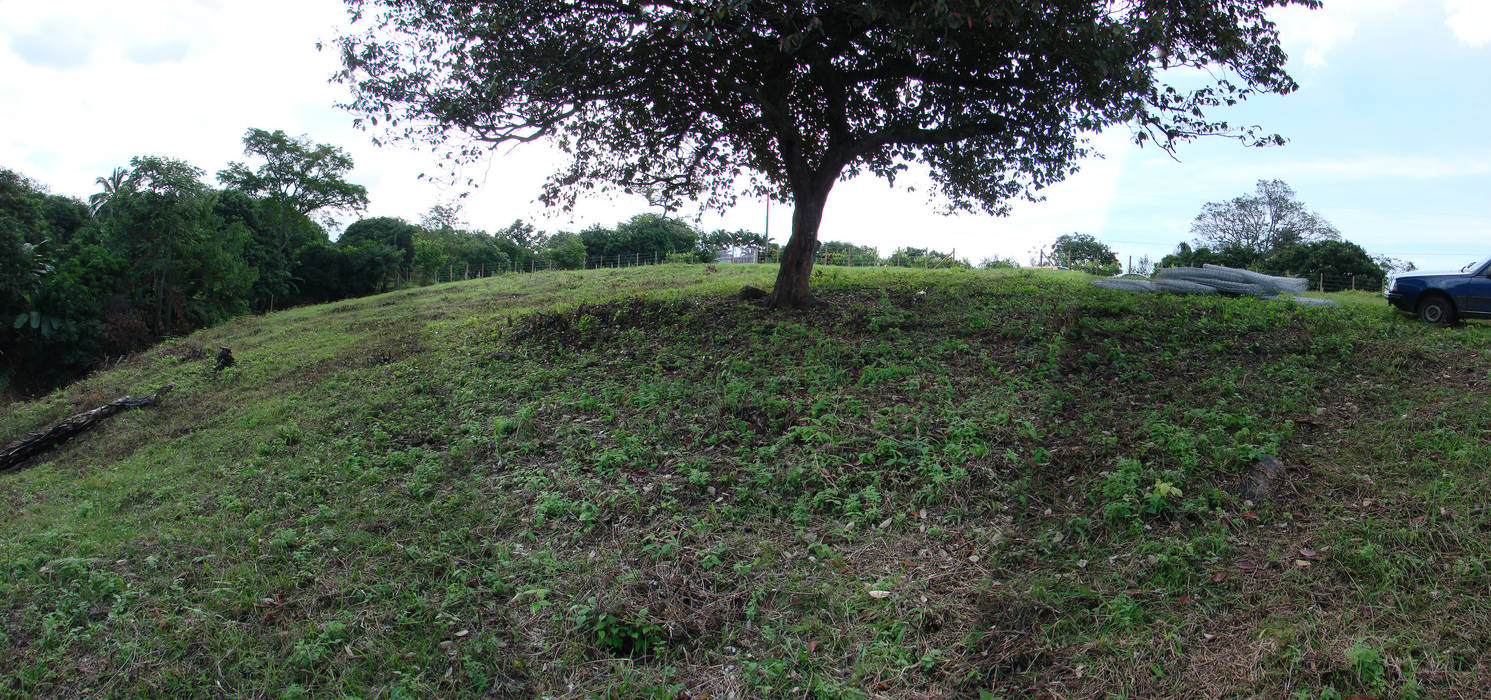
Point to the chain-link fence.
(455, 272)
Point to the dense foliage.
(682, 100)
(1261, 223)
(1272, 231)
(1081, 251)
(158, 252)
(1332, 265)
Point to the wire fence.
(1328, 282)
(459, 271)
(456, 272)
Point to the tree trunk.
(18, 452)
(791, 290)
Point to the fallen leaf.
(1081, 563)
(1246, 565)
(1184, 600)
(1219, 577)
(884, 524)
(463, 633)
(1250, 515)
(879, 594)
(1309, 553)
(812, 646)
(1302, 563)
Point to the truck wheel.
(1436, 310)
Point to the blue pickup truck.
(1441, 298)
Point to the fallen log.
(33, 444)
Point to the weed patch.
(934, 483)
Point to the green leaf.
(20, 321)
(36, 319)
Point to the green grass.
(626, 483)
(1371, 301)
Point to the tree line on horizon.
(1269, 231)
(159, 252)
(1272, 231)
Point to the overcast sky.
(1388, 136)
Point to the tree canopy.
(1331, 264)
(1261, 223)
(299, 179)
(1084, 252)
(705, 99)
(299, 176)
(386, 230)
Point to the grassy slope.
(1016, 484)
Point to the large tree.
(394, 233)
(1261, 223)
(186, 267)
(707, 99)
(1083, 251)
(300, 179)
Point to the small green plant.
(630, 638)
(1161, 498)
(1367, 663)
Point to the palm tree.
(114, 185)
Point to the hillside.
(627, 483)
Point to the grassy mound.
(630, 483)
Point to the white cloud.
(1311, 35)
(1469, 20)
(168, 51)
(54, 43)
